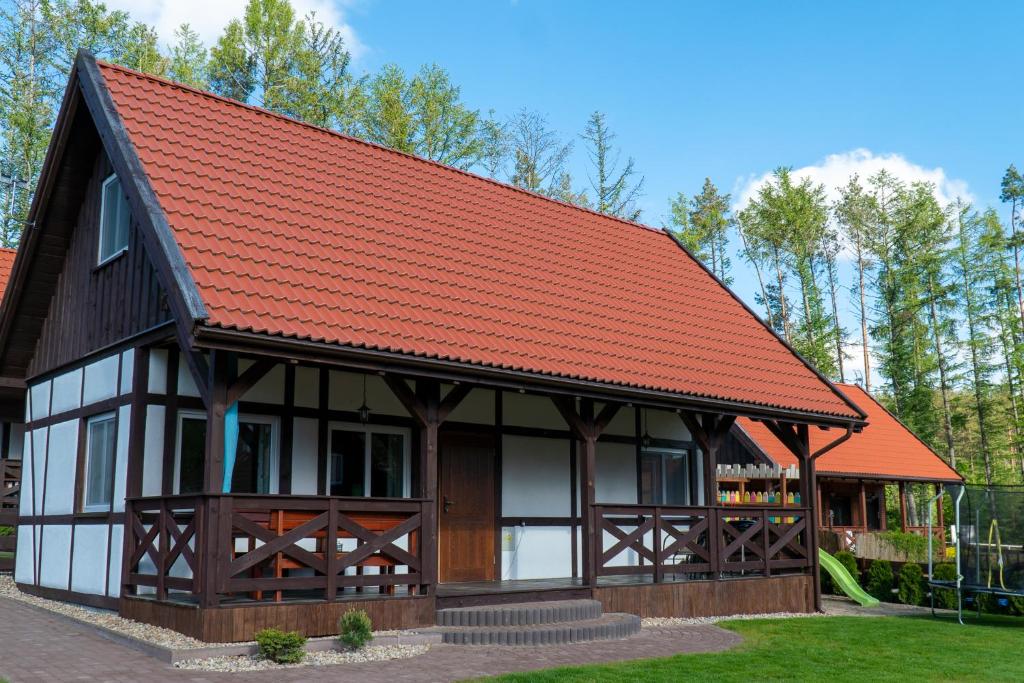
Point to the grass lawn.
(834, 649)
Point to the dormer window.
(114, 220)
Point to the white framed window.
(115, 217)
(100, 456)
(256, 468)
(665, 476)
(369, 461)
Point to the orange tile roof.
(299, 232)
(6, 263)
(886, 449)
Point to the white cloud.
(209, 18)
(834, 172)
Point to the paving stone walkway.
(35, 646)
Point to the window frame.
(87, 462)
(100, 258)
(368, 430)
(275, 447)
(663, 453)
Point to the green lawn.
(834, 649)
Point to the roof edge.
(182, 289)
(835, 390)
(209, 336)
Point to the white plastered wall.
(51, 455)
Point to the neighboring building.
(852, 476)
(12, 411)
(276, 373)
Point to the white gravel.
(105, 619)
(324, 657)
(655, 622)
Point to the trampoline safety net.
(991, 538)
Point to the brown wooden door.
(466, 532)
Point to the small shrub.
(849, 560)
(280, 646)
(944, 597)
(911, 584)
(355, 629)
(6, 530)
(827, 587)
(879, 580)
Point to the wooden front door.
(466, 532)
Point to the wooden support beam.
(216, 408)
(587, 429)
(903, 506)
(248, 379)
(863, 506)
(709, 431)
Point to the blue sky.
(931, 90)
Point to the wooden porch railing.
(10, 497)
(679, 543)
(270, 546)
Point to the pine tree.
(188, 59)
(1012, 192)
(978, 341)
(855, 213)
(615, 190)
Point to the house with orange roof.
(852, 477)
(275, 373)
(12, 397)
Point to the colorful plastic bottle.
(797, 499)
(790, 500)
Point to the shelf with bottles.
(761, 492)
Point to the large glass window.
(368, 461)
(115, 217)
(99, 462)
(254, 457)
(664, 477)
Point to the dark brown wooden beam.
(248, 379)
(405, 395)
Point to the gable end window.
(99, 463)
(115, 218)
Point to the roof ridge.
(374, 145)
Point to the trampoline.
(988, 538)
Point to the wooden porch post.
(903, 506)
(429, 412)
(429, 394)
(216, 395)
(709, 431)
(863, 507)
(136, 448)
(587, 429)
(809, 483)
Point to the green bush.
(879, 580)
(280, 646)
(849, 560)
(944, 597)
(912, 546)
(355, 629)
(6, 530)
(911, 584)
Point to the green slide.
(842, 578)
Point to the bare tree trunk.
(833, 286)
(863, 317)
(782, 298)
(1016, 261)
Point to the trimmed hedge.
(944, 597)
(911, 584)
(879, 580)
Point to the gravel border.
(174, 648)
(656, 622)
(245, 663)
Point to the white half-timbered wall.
(59, 547)
(84, 555)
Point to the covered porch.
(498, 495)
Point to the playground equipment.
(988, 542)
(844, 580)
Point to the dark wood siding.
(93, 307)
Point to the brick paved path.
(35, 646)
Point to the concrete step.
(521, 613)
(606, 627)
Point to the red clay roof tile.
(6, 263)
(887, 449)
(296, 231)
